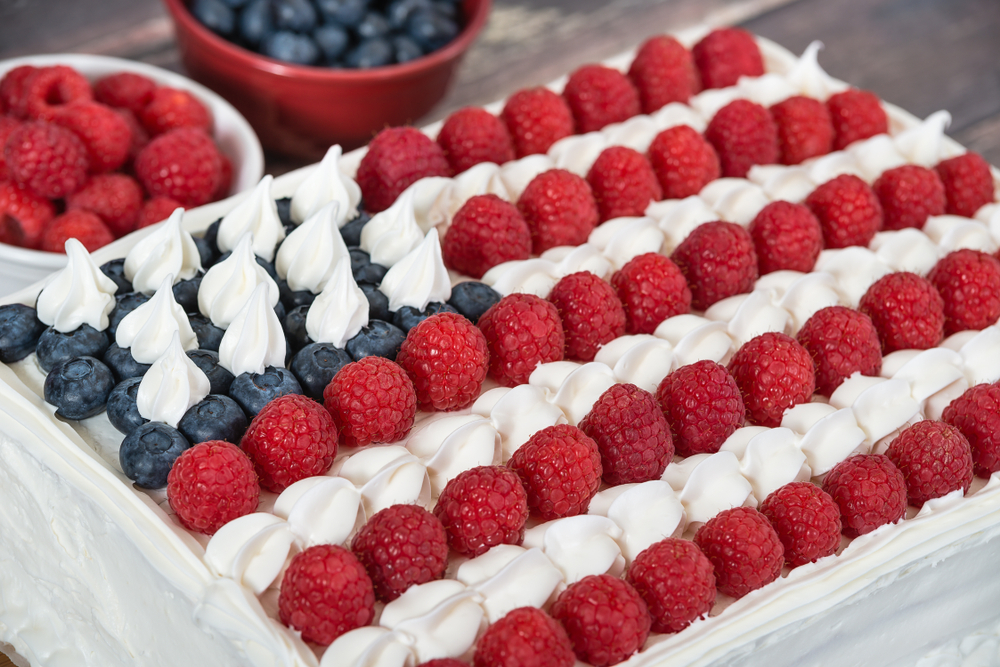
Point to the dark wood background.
(922, 55)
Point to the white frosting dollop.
(254, 339)
(251, 550)
(148, 330)
(327, 184)
(78, 294)
(308, 256)
(227, 286)
(579, 545)
(809, 79)
(418, 278)
(321, 510)
(517, 414)
(169, 250)
(516, 174)
(171, 386)
(341, 309)
(386, 476)
(391, 234)
(258, 215)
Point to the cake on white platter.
(97, 570)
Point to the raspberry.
(724, 55)
(49, 88)
(869, 490)
(743, 134)
(806, 519)
(47, 159)
(525, 637)
(125, 90)
(444, 662)
(521, 331)
(446, 357)
(718, 261)
(703, 406)
(606, 619)
(909, 194)
(623, 183)
(848, 211)
(969, 283)
(183, 165)
(536, 119)
(485, 232)
(83, 226)
(841, 342)
(774, 372)
(804, 129)
(23, 215)
(677, 582)
(396, 158)
(481, 508)
(968, 183)
(225, 178)
(325, 592)
(976, 413)
(559, 208)
(140, 137)
(173, 109)
(651, 288)
(371, 400)
(156, 210)
(631, 433)
(590, 312)
(473, 135)
(401, 546)
(907, 312)
(292, 438)
(114, 198)
(211, 484)
(744, 549)
(663, 72)
(13, 87)
(598, 96)
(684, 161)
(935, 459)
(560, 467)
(856, 114)
(103, 131)
(786, 236)
(7, 126)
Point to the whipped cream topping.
(811, 80)
(341, 309)
(516, 174)
(169, 250)
(386, 476)
(171, 386)
(254, 339)
(579, 545)
(647, 513)
(321, 510)
(391, 234)
(78, 294)
(251, 550)
(578, 152)
(257, 214)
(148, 330)
(227, 286)
(642, 360)
(308, 256)
(432, 201)
(451, 444)
(419, 277)
(953, 232)
(326, 184)
(622, 239)
(517, 414)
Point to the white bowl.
(20, 267)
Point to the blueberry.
(399, 11)
(295, 328)
(408, 317)
(148, 453)
(211, 235)
(378, 303)
(332, 40)
(115, 269)
(279, 310)
(430, 29)
(122, 364)
(291, 48)
(215, 15)
(284, 206)
(472, 299)
(378, 339)
(364, 270)
(316, 364)
(206, 251)
(124, 304)
(374, 52)
(186, 293)
(122, 410)
(255, 25)
(373, 25)
(215, 418)
(446, 8)
(235, 4)
(351, 232)
(79, 387)
(348, 13)
(255, 390)
(406, 49)
(294, 15)
(55, 347)
(20, 329)
(209, 335)
(219, 378)
(292, 300)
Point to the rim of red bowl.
(456, 47)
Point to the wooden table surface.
(922, 55)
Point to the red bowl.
(302, 111)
